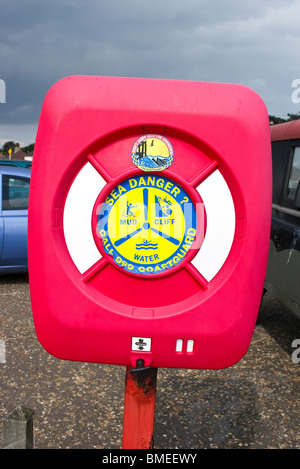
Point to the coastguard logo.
(152, 153)
(147, 224)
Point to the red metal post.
(139, 408)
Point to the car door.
(283, 271)
(14, 216)
(1, 233)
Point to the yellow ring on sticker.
(147, 224)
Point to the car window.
(294, 174)
(15, 192)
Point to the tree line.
(279, 120)
(273, 120)
(12, 145)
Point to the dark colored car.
(283, 272)
(14, 189)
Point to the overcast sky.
(254, 43)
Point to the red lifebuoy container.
(149, 221)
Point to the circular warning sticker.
(152, 153)
(147, 224)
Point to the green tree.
(273, 120)
(9, 145)
(28, 148)
(279, 120)
(293, 117)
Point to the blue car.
(14, 190)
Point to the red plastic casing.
(220, 134)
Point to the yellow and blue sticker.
(152, 153)
(147, 224)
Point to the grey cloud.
(251, 42)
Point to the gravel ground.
(254, 404)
